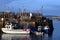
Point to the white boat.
(9, 29)
(18, 31)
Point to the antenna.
(24, 10)
(8, 10)
(42, 7)
(19, 10)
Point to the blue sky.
(50, 7)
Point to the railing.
(54, 18)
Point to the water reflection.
(47, 37)
(51, 36)
(14, 37)
(25, 37)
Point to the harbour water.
(55, 35)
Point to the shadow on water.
(25, 37)
(42, 37)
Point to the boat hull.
(15, 31)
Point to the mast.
(19, 11)
(41, 9)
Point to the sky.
(50, 7)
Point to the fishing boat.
(9, 29)
(20, 31)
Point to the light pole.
(30, 15)
(2, 19)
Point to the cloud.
(5, 1)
